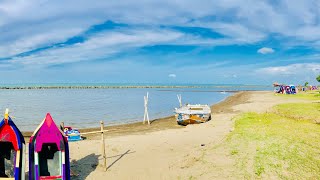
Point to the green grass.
(280, 145)
(299, 111)
(308, 95)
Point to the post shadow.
(119, 157)
(80, 169)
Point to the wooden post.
(62, 126)
(146, 114)
(179, 99)
(103, 150)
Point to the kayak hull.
(12, 151)
(48, 152)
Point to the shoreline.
(180, 152)
(159, 124)
(133, 87)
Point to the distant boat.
(192, 114)
(49, 152)
(12, 150)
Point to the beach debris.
(202, 144)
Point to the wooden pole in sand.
(103, 150)
(146, 114)
(62, 126)
(179, 99)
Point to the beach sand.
(165, 150)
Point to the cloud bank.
(42, 35)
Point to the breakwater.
(135, 87)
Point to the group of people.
(309, 88)
(284, 89)
(291, 89)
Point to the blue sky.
(249, 42)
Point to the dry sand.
(165, 150)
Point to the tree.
(318, 78)
(306, 83)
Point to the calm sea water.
(83, 108)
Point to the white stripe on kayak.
(63, 157)
(36, 158)
(23, 161)
(18, 158)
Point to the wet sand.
(166, 122)
(161, 123)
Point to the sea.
(85, 105)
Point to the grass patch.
(308, 95)
(273, 146)
(299, 111)
(234, 152)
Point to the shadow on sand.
(119, 157)
(81, 168)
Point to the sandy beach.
(247, 72)
(165, 150)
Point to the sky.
(143, 41)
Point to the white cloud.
(33, 41)
(237, 32)
(265, 50)
(106, 44)
(102, 45)
(299, 68)
(290, 74)
(29, 25)
(172, 75)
